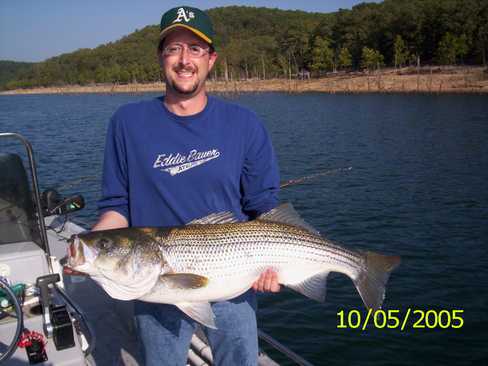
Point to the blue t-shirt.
(161, 169)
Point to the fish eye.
(104, 243)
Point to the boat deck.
(110, 319)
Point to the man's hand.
(267, 282)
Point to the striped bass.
(217, 258)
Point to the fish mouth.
(75, 252)
(75, 257)
(67, 270)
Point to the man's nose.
(184, 56)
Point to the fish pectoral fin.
(199, 311)
(313, 287)
(183, 280)
(286, 214)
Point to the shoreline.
(406, 80)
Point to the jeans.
(165, 332)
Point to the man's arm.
(113, 204)
(260, 184)
(260, 178)
(110, 220)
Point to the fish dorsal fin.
(215, 218)
(286, 214)
(185, 281)
(199, 311)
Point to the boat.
(46, 315)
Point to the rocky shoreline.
(407, 80)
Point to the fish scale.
(228, 247)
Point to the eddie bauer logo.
(178, 163)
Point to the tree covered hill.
(9, 70)
(264, 43)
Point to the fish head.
(81, 257)
(126, 265)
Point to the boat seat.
(18, 219)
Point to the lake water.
(418, 187)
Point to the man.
(186, 155)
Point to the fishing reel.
(53, 203)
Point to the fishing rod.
(78, 181)
(301, 180)
(283, 184)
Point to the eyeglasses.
(176, 49)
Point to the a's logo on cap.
(182, 15)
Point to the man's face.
(185, 75)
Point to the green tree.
(322, 55)
(283, 63)
(446, 51)
(482, 42)
(451, 48)
(124, 76)
(462, 47)
(401, 52)
(371, 59)
(481, 35)
(101, 75)
(11, 70)
(344, 58)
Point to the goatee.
(179, 90)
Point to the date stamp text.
(396, 319)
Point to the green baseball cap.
(190, 18)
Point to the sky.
(34, 30)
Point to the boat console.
(38, 322)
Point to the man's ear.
(212, 59)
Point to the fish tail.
(372, 280)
